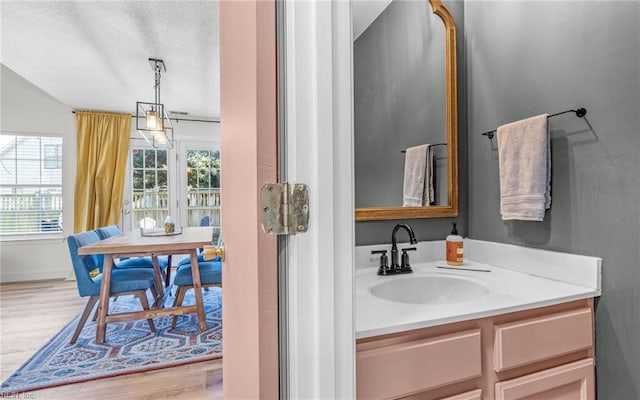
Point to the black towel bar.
(436, 144)
(580, 112)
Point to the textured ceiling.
(93, 54)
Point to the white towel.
(429, 192)
(524, 156)
(418, 177)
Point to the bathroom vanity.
(523, 330)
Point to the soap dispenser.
(455, 253)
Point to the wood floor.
(31, 313)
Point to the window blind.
(30, 184)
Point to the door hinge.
(285, 208)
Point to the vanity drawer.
(569, 381)
(409, 367)
(536, 339)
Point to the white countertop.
(521, 282)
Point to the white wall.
(27, 109)
(189, 130)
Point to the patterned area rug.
(129, 347)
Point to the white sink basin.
(431, 289)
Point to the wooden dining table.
(134, 244)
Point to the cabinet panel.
(574, 381)
(472, 395)
(527, 341)
(404, 368)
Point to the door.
(248, 153)
(199, 184)
(317, 342)
(183, 182)
(149, 194)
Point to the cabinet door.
(574, 381)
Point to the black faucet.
(395, 268)
(404, 267)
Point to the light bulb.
(152, 120)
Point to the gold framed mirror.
(450, 207)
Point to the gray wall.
(527, 58)
(399, 102)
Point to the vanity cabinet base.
(544, 353)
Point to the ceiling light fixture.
(152, 119)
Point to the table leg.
(103, 305)
(158, 272)
(168, 274)
(197, 289)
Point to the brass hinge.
(285, 208)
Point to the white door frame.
(320, 342)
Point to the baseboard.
(22, 276)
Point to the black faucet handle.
(384, 261)
(405, 267)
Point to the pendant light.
(152, 119)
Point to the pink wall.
(249, 156)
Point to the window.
(30, 184)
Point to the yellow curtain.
(102, 151)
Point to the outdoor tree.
(203, 169)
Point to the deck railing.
(41, 212)
(30, 212)
(200, 204)
(30, 201)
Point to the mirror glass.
(404, 96)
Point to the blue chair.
(187, 260)
(108, 231)
(135, 262)
(210, 275)
(123, 282)
(205, 221)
